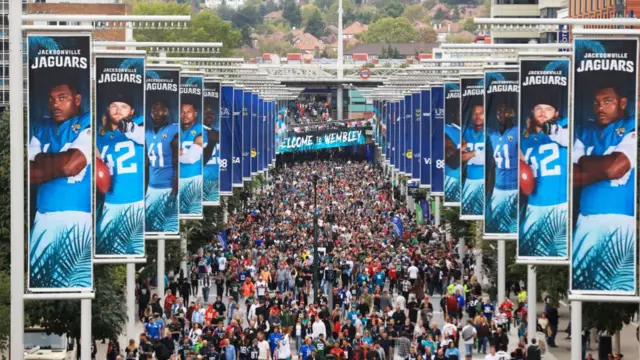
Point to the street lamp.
(316, 260)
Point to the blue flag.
(397, 226)
(222, 238)
(426, 211)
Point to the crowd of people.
(387, 290)
(308, 110)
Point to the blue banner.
(385, 132)
(437, 140)
(222, 238)
(452, 144)
(604, 248)
(236, 166)
(396, 222)
(501, 154)
(544, 139)
(392, 135)
(401, 153)
(211, 124)
(425, 145)
(272, 116)
(408, 140)
(191, 150)
(323, 139)
(426, 210)
(254, 134)
(416, 136)
(247, 113)
(261, 138)
(226, 139)
(472, 148)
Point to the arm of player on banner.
(136, 134)
(615, 164)
(193, 153)
(71, 163)
(561, 136)
(628, 147)
(35, 148)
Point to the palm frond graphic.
(133, 63)
(210, 190)
(193, 80)
(190, 198)
(547, 237)
(480, 82)
(490, 77)
(558, 65)
(473, 201)
(150, 74)
(452, 189)
(162, 215)
(65, 263)
(123, 235)
(503, 219)
(453, 86)
(583, 47)
(37, 43)
(607, 266)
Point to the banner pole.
(160, 272)
(85, 329)
(437, 211)
(532, 288)
(17, 179)
(576, 330)
(131, 300)
(501, 270)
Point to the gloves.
(550, 128)
(126, 125)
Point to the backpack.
(478, 307)
(452, 303)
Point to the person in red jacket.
(169, 300)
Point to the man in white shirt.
(222, 264)
(413, 272)
(261, 289)
(469, 335)
(449, 328)
(319, 328)
(284, 347)
(492, 355)
(263, 347)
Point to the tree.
(390, 30)
(316, 25)
(439, 15)
(456, 14)
(206, 26)
(469, 25)
(414, 12)
(394, 9)
(247, 16)
(365, 14)
(291, 13)
(460, 38)
(427, 35)
(349, 10)
(307, 11)
(323, 4)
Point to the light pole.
(316, 260)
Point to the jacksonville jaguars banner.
(472, 148)
(401, 154)
(261, 138)
(437, 140)
(544, 163)
(247, 112)
(323, 139)
(604, 157)
(452, 144)
(271, 160)
(236, 165)
(60, 157)
(162, 139)
(120, 138)
(392, 135)
(416, 135)
(211, 155)
(191, 146)
(226, 139)
(254, 135)
(408, 139)
(263, 131)
(425, 142)
(501, 154)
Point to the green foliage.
(323, 4)
(315, 24)
(365, 14)
(390, 30)
(414, 12)
(108, 309)
(469, 25)
(123, 235)
(349, 9)
(247, 16)
(393, 9)
(439, 15)
(459, 38)
(291, 12)
(427, 35)
(280, 48)
(206, 26)
(610, 317)
(459, 228)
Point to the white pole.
(85, 329)
(501, 270)
(131, 300)
(340, 49)
(616, 342)
(531, 302)
(576, 330)
(161, 270)
(183, 248)
(478, 268)
(17, 179)
(437, 211)
(340, 102)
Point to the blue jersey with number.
(475, 141)
(187, 137)
(160, 154)
(125, 159)
(608, 196)
(548, 161)
(505, 156)
(452, 131)
(71, 193)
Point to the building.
(602, 9)
(376, 51)
(549, 10)
(307, 43)
(234, 4)
(353, 30)
(515, 9)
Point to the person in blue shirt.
(153, 329)
(60, 155)
(543, 145)
(275, 336)
(452, 158)
(191, 145)
(120, 141)
(473, 157)
(502, 183)
(604, 161)
(461, 303)
(211, 153)
(306, 349)
(162, 139)
(488, 310)
(378, 279)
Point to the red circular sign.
(365, 73)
